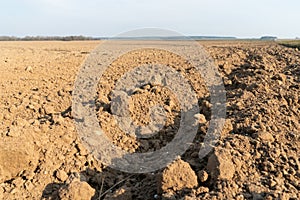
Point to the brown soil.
(257, 157)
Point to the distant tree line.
(46, 38)
(269, 38)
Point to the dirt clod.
(201, 118)
(202, 190)
(202, 175)
(177, 176)
(220, 164)
(15, 157)
(265, 136)
(61, 175)
(76, 190)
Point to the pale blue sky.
(241, 18)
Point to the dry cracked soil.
(256, 157)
